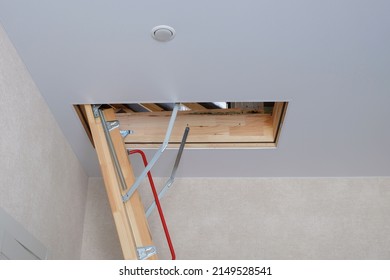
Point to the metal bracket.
(95, 110)
(112, 125)
(124, 133)
(156, 156)
(146, 252)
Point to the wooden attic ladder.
(127, 208)
(235, 128)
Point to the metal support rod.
(156, 156)
(171, 179)
(111, 148)
(180, 152)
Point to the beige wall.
(100, 240)
(254, 218)
(42, 184)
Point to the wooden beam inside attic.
(151, 107)
(194, 106)
(121, 108)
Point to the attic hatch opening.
(212, 124)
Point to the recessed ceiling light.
(163, 33)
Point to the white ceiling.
(330, 59)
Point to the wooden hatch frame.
(210, 128)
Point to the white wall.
(42, 184)
(258, 218)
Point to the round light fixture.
(163, 33)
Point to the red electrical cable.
(157, 200)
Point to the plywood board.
(218, 127)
